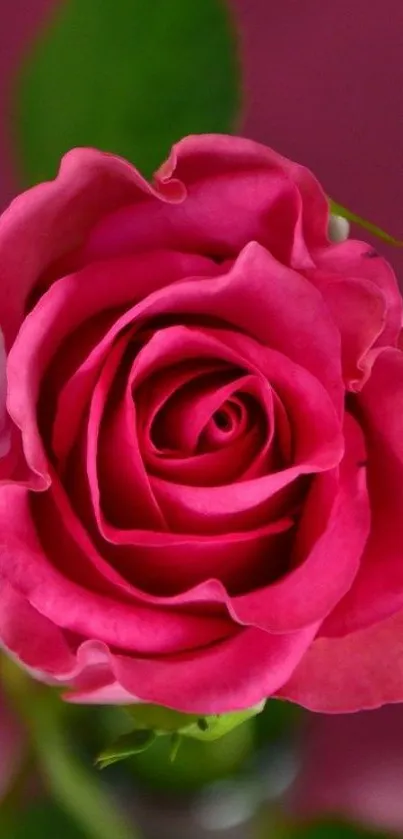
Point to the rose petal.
(210, 468)
(121, 477)
(377, 592)
(118, 477)
(159, 562)
(5, 431)
(328, 548)
(211, 221)
(156, 563)
(359, 309)
(77, 609)
(302, 393)
(66, 541)
(223, 456)
(237, 507)
(228, 676)
(31, 637)
(223, 175)
(67, 305)
(51, 219)
(363, 670)
(151, 398)
(359, 260)
(197, 157)
(185, 417)
(255, 296)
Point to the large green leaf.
(216, 726)
(159, 719)
(128, 745)
(127, 76)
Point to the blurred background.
(321, 83)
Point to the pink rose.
(206, 400)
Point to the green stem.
(78, 791)
(11, 803)
(339, 210)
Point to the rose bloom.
(201, 504)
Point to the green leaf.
(126, 746)
(339, 210)
(159, 719)
(152, 721)
(165, 720)
(78, 791)
(213, 727)
(126, 76)
(176, 740)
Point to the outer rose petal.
(287, 209)
(228, 676)
(377, 591)
(254, 295)
(32, 638)
(209, 155)
(354, 259)
(360, 671)
(11, 454)
(5, 430)
(43, 224)
(42, 649)
(125, 623)
(225, 676)
(359, 309)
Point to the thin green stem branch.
(78, 790)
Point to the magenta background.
(352, 766)
(323, 82)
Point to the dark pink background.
(323, 84)
(352, 766)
